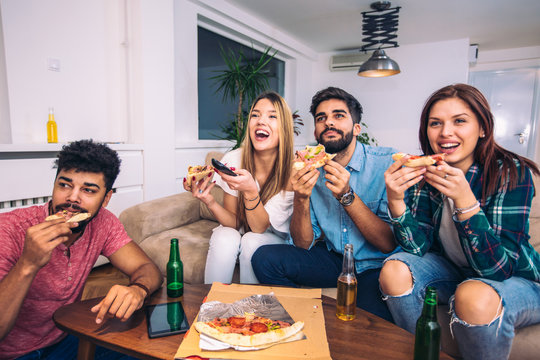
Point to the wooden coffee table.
(368, 336)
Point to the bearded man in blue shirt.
(343, 202)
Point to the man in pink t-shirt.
(44, 263)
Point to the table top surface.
(368, 336)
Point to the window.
(213, 113)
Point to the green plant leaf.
(242, 81)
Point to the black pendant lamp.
(379, 28)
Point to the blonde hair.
(279, 177)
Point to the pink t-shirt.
(59, 282)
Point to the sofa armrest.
(155, 216)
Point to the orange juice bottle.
(52, 135)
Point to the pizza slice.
(248, 330)
(415, 160)
(311, 155)
(199, 172)
(70, 217)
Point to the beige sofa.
(152, 224)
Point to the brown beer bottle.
(346, 287)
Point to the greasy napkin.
(302, 305)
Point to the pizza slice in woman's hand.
(198, 172)
(415, 160)
(315, 156)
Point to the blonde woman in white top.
(257, 203)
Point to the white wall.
(392, 105)
(5, 124)
(155, 102)
(85, 37)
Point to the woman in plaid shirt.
(464, 228)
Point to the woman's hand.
(399, 178)
(243, 182)
(201, 189)
(451, 182)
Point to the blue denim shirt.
(331, 221)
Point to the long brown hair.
(279, 177)
(487, 151)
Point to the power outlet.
(53, 64)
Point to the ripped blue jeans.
(520, 305)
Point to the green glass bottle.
(428, 331)
(175, 272)
(174, 315)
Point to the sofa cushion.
(154, 216)
(193, 242)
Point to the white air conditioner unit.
(348, 61)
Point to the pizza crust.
(270, 337)
(75, 218)
(79, 217)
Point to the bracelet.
(142, 287)
(255, 198)
(253, 208)
(467, 209)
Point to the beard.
(335, 146)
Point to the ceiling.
(334, 25)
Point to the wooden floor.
(101, 279)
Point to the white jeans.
(226, 245)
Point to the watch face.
(347, 198)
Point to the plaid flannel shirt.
(495, 240)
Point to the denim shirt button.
(344, 230)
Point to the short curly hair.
(89, 156)
(355, 109)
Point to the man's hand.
(338, 178)
(303, 181)
(120, 302)
(41, 240)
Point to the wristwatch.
(347, 198)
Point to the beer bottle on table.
(175, 272)
(346, 287)
(428, 331)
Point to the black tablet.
(166, 319)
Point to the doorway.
(514, 99)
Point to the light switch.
(53, 64)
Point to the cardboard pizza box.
(302, 304)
